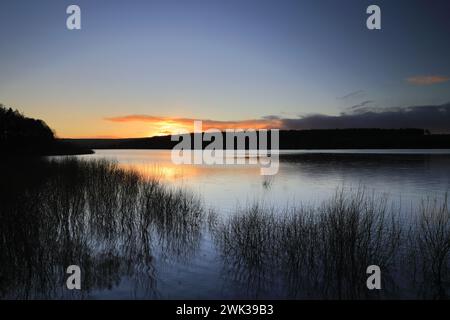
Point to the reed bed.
(94, 214)
(324, 251)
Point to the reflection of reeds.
(90, 213)
(248, 245)
(431, 249)
(267, 182)
(355, 231)
(324, 251)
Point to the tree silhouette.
(23, 135)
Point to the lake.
(309, 231)
(407, 177)
(304, 175)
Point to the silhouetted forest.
(302, 139)
(23, 135)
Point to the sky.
(143, 68)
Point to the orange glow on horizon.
(160, 126)
(140, 126)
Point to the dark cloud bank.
(435, 118)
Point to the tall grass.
(90, 213)
(324, 251)
(430, 252)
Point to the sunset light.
(230, 156)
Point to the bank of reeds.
(324, 251)
(90, 213)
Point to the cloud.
(353, 94)
(427, 80)
(164, 125)
(436, 118)
(360, 105)
(134, 117)
(271, 117)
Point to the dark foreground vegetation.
(20, 135)
(302, 139)
(107, 220)
(115, 224)
(323, 252)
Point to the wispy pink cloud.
(164, 122)
(427, 80)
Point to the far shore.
(299, 140)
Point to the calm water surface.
(184, 260)
(304, 176)
(405, 176)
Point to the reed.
(94, 214)
(324, 251)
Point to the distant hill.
(302, 139)
(20, 135)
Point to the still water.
(304, 176)
(407, 177)
(135, 240)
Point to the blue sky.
(220, 60)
